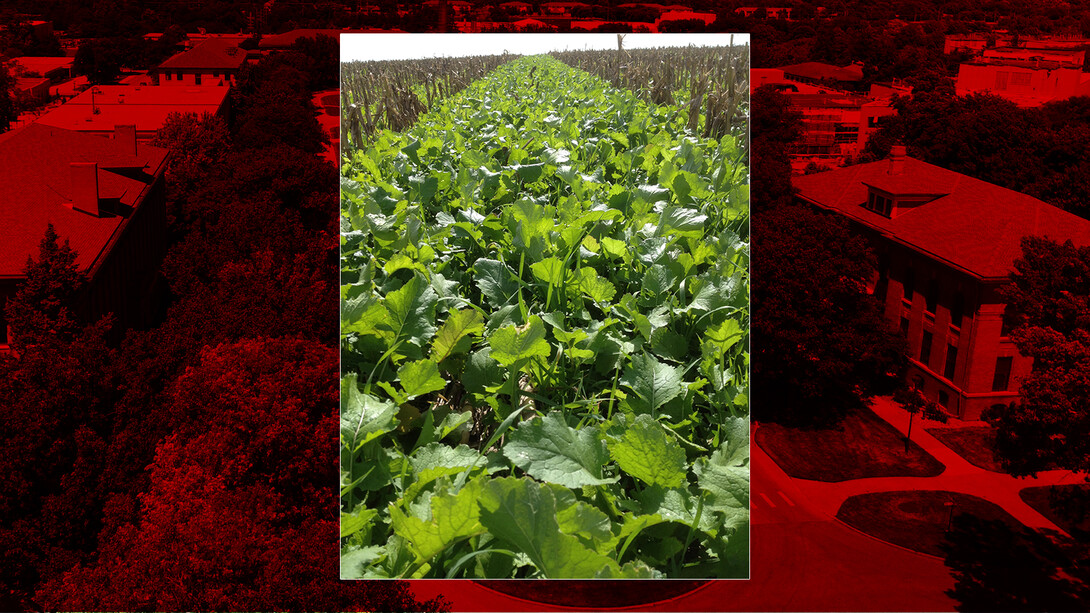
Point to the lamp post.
(949, 504)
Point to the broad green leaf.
(549, 270)
(453, 517)
(653, 383)
(496, 281)
(452, 422)
(717, 293)
(652, 193)
(615, 248)
(355, 562)
(589, 524)
(359, 519)
(677, 504)
(679, 221)
(550, 450)
(598, 288)
(724, 336)
(523, 513)
(513, 345)
(454, 335)
(363, 417)
(481, 372)
(647, 453)
(411, 311)
(419, 378)
(361, 315)
(658, 281)
(436, 455)
(725, 476)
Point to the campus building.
(945, 244)
(1026, 77)
(835, 127)
(213, 61)
(105, 196)
(101, 107)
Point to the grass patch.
(862, 445)
(917, 520)
(974, 443)
(1041, 499)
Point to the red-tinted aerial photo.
(919, 331)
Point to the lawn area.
(1039, 499)
(974, 443)
(863, 445)
(917, 520)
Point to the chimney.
(125, 134)
(896, 159)
(85, 187)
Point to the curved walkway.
(959, 476)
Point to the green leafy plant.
(544, 338)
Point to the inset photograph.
(544, 306)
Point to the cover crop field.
(545, 338)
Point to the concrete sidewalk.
(959, 476)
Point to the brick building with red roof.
(104, 195)
(945, 244)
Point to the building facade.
(213, 61)
(1027, 83)
(945, 245)
(105, 196)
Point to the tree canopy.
(821, 346)
(1048, 305)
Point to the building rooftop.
(210, 54)
(145, 106)
(29, 83)
(43, 65)
(287, 39)
(828, 101)
(37, 183)
(972, 225)
(818, 70)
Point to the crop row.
(710, 85)
(391, 94)
(545, 338)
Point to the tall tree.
(1048, 306)
(56, 399)
(8, 111)
(45, 304)
(821, 346)
(776, 127)
(238, 510)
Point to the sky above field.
(392, 46)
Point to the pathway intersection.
(959, 476)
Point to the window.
(932, 295)
(944, 399)
(168, 76)
(904, 326)
(1002, 377)
(845, 134)
(197, 79)
(879, 204)
(1001, 79)
(925, 348)
(957, 309)
(951, 362)
(909, 285)
(1020, 80)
